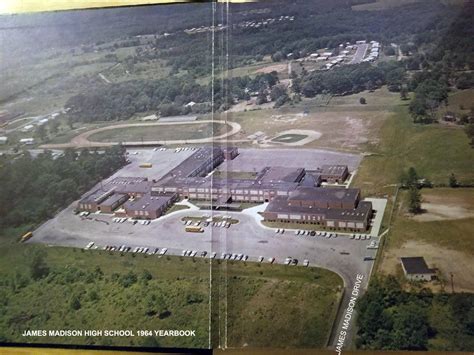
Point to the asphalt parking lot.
(251, 159)
(360, 53)
(342, 255)
(247, 237)
(162, 162)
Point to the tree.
(38, 267)
(362, 101)
(261, 98)
(453, 181)
(410, 328)
(404, 93)
(278, 56)
(414, 200)
(41, 132)
(54, 126)
(75, 303)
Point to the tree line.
(390, 318)
(33, 189)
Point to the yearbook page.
(274, 177)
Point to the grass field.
(434, 150)
(459, 102)
(344, 124)
(445, 239)
(104, 290)
(289, 138)
(168, 132)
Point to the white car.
(260, 259)
(89, 245)
(297, 232)
(245, 257)
(282, 231)
(193, 253)
(183, 253)
(163, 251)
(305, 262)
(277, 231)
(213, 255)
(288, 260)
(271, 260)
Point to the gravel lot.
(255, 159)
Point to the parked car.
(271, 260)
(305, 262)
(260, 259)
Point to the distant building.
(416, 269)
(449, 117)
(230, 153)
(27, 141)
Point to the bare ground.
(447, 261)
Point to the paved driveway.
(247, 237)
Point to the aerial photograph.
(278, 174)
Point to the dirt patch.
(298, 137)
(275, 67)
(445, 260)
(440, 212)
(446, 205)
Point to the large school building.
(294, 195)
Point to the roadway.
(341, 255)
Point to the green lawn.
(434, 150)
(289, 138)
(165, 132)
(177, 208)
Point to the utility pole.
(452, 282)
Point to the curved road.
(82, 140)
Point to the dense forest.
(34, 189)
(167, 97)
(392, 319)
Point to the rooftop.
(147, 203)
(359, 214)
(416, 265)
(188, 166)
(280, 173)
(324, 194)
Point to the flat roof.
(97, 195)
(147, 202)
(333, 169)
(359, 214)
(324, 194)
(109, 201)
(192, 163)
(416, 265)
(280, 174)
